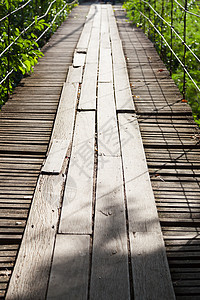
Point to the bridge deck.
(93, 230)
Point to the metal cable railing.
(187, 11)
(198, 88)
(27, 28)
(162, 24)
(14, 11)
(7, 50)
(176, 33)
(53, 21)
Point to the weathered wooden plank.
(70, 268)
(110, 277)
(140, 199)
(104, 20)
(76, 215)
(105, 40)
(75, 75)
(89, 88)
(105, 65)
(123, 95)
(93, 48)
(108, 136)
(85, 35)
(79, 59)
(56, 156)
(67, 107)
(151, 277)
(117, 52)
(34, 258)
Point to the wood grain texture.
(75, 75)
(56, 156)
(110, 278)
(105, 40)
(70, 268)
(108, 136)
(79, 59)
(105, 65)
(34, 258)
(140, 199)
(151, 277)
(123, 95)
(117, 52)
(67, 108)
(85, 35)
(89, 88)
(93, 48)
(76, 215)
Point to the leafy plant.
(165, 10)
(18, 35)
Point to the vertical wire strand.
(144, 20)
(154, 34)
(149, 27)
(8, 53)
(171, 58)
(161, 41)
(184, 50)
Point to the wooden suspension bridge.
(99, 166)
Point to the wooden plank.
(89, 86)
(70, 268)
(85, 34)
(67, 108)
(105, 65)
(108, 136)
(76, 215)
(140, 199)
(104, 20)
(97, 17)
(79, 59)
(123, 95)
(151, 277)
(93, 48)
(75, 75)
(117, 52)
(105, 40)
(56, 156)
(110, 276)
(34, 258)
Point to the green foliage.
(25, 51)
(163, 7)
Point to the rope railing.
(20, 34)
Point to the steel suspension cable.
(198, 88)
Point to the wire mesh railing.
(24, 29)
(174, 27)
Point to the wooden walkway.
(93, 230)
